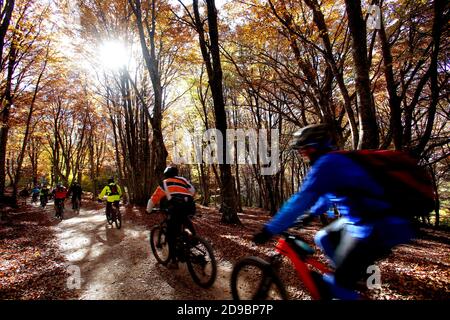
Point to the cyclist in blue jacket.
(362, 235)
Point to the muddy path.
(119, 264)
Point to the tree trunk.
(391, 84)
(159, 151)
(17, 175)
(211, 59)
(368, 129)
(438, 23)
(319, 21)
(6, 102)
(6, 19)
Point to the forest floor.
(38, 254)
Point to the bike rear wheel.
(59, 212)
(159, 244)
(200, 261)
(118, 218)
(254, 279)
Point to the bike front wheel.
(109, 217)
(200, 261)
(254, 279)
(159, 244)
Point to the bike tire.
(109, 218)
(59, 213)
(267, 276)
(118, 219)
(200, 256)
(158, 243)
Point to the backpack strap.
(166, 191)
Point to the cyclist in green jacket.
(113, 193)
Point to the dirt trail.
(119, 264)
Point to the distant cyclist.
(113, 192)
(35, 193)
(75, 191)
(59, 195)
(177, 195)
(43, 195)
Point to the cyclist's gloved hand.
(262, 237)
(99, 201)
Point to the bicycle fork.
(267, 280)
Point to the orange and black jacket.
(168, 188)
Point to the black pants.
(109, 206)
(43, 198)
(73, 201)
(59, 201)
(179, 211)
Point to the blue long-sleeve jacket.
(335, 178)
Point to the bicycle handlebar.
(298, 225)
(303, 221)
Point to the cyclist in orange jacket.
(177, 194)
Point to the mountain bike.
(254, 278)
(191, 249)
(59, 210)
(114, 216)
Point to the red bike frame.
(302, 266)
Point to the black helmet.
(111, 180)
(315, 135)
(170, 172)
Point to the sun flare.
(113, 54)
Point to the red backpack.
(408, 186)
